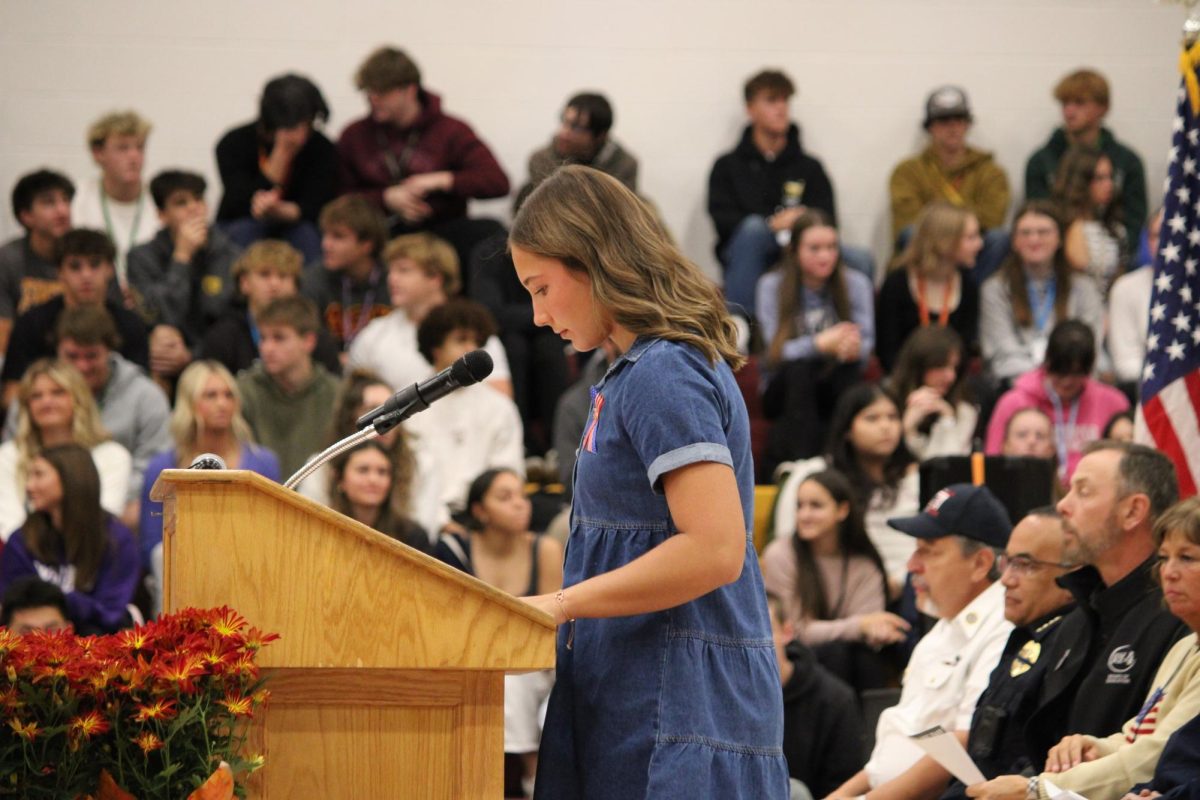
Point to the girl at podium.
(666, 677)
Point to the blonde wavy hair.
(936, 237)
(86, 429)
(639, 279)
(185, 425)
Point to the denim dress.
(682, 703)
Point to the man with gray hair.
(1100, 664)
(954, 572)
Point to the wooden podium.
(388, 677)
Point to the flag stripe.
(1162, 433)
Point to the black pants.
(800, 399)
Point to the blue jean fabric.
(753, 249)
(682, 703)
(302, 235)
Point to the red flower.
(238, 706)
(163, 708)
(229, 623)
(85, 726)
(181, 671)
(148, 742)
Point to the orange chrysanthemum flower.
(163, 708)
(89, 724)
(148, 742)
(27, 731)
(238, 706)
(229, 623)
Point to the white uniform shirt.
(388, 346)
(948, 670)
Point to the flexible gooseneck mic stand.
(380, 426)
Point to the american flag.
(1169, 416)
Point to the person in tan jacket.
(948, 169)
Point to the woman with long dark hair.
(938, 419)
(72, 542)
(831, 581)
(361, 486)
(818, 319)
(1095, 241)
(866, 444)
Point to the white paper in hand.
(1055, 793)
(944, 748)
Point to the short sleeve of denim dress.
(682, 703)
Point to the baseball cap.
(963, 510)
(947, 102)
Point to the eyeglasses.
(1024, 565)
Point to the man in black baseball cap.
(954, 572)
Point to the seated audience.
(818, 322)
(930, 283)
(85, 267)
(950, 170)
(1029, 432)
(415, 492)
(1063, 388)
(207, 419)
(279, 170)
(31, 604)
(133, 409)
(1036, 605)
(41, 202)
(536, 355)
(422, 274)
(286, 397)
(348, 285)
(361, 484)
(575, 407)
(757, 191)
(1104, 767)
(583, 138)
(413, 161)
(116, 201)
(266, 271)
(55, 406)
(501, 551)
(1129, 315)
(866, 444)
(830, 582)
(955, 577)
(1084, 97)
(1120, 626)
(1034, 290)
(1095, 241)
(1120, 427)
(938, 419)
(475, 428)
(822, 734)
(182, 274)
(71, 541)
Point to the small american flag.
(1169, 415)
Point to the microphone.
(207, 461)
(471, 368)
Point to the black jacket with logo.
(1099, 667)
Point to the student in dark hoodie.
(823, 737)
(760, 188)
(413, 161)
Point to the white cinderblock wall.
(673, 69)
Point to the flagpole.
(1191, 25)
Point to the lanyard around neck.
(923, 304)
(112, 234)
(1041, 306)
(1064, 428)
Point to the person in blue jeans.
(758, 190)
(666, 685)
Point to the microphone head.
(207, 461)
(471, 368)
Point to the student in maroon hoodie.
(419, 165)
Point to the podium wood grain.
(387, 681)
